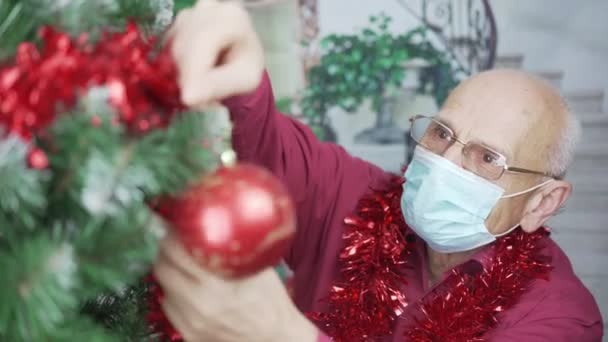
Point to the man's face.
(505, 112)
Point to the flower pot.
(386, 130)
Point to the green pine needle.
(122, 312)
(179, 5)
(76, 140)
(21, 19)
(176, 156)
(22, 189)
(39, 275)
(114, 252)
(81, 328)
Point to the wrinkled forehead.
(502, 118)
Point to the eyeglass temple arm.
(520, 170)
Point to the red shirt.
(326, 184)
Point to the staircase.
(582, 228)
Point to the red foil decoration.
(364, 303)
(156, 317)
(42, 82)
(469, 309)
(37, 159)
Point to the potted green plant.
(369, 65)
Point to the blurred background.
(357, 70)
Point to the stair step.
(591, 202)
(587, 264)
(587, 253)
(591, 119)
(511, 61)
(589, 184)
(597, 150)
(595, 129)
(586, 101)
(580, 222)
(590, 161)
(554, 77)
(571, 241)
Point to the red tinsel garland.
(469, 309)
(367, 299)
(141, 81)
(466, 310)
(156, 317)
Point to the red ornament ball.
(235, 222)
(37, 159)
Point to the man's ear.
(544, 203)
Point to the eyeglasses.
(477, 158)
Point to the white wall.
(345, 16)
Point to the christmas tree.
(92, 132)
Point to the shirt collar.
(479, 260)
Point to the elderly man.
(460, 250)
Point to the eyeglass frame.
(454, 138)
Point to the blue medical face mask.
(447, 206)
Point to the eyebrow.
(446, 122)
(505, 153)
(493, 147)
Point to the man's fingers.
(233, 78)
(196, 66)
(184, 291)
(179, 319)
(178, 23)
(173, 253)
(210, 36)
(168, 275)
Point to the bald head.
(516, 113)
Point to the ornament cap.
(228, 158)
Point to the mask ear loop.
(521, 193)
(507, 232)
(528, 190)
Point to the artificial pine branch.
(21, 19)
(81, 328)
(113, 252)
(122, 312)
(72, 141)
(22, 189)
(39, 275)
(179, 5)
(91, 235)
(181, 153)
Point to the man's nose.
(454, 153)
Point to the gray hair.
(562, 153)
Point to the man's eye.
(442, 133)
(489, 158)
